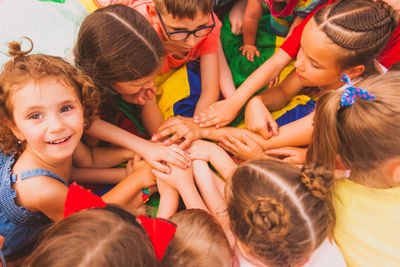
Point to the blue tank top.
(17, 224)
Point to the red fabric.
(391, 52)
(287, 11)
(79, 198)
(160, 233)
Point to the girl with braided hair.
(273, 213)
(364, 134)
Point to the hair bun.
(392, 13)
(269, 217)
(318, 179)
(14, 48)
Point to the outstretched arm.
(251, 18)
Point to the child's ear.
(15, 130)
(355, 71)
(396, 172)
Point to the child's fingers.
(163, 133)
(235, 142)
(177, 159)
(265, 133)
(248, 141)
(186, 143)
(159, 174)
(227, 144)
(179, 151)
(258, 53)
(222, 144)
(173, 139)
(160, 167)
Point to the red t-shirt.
(389, 55)
(208, 45)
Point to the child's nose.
(191, 41)
(55, 124)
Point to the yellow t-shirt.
(367, 227)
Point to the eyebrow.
(68, 101)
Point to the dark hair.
(365, 134)
(24, 68)
(184, 8)
(280, 213)
(118, 44)
(107, 236)
(362, 27)
(198, 241)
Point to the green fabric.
(266, 43)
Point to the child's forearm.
(222, 162)
(295, 23)
(103, 157)
(226, 83)
(115, 135)
(169, 200)
(209, 72)
(251, 18)
(98, 176)
(151, 117)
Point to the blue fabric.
(17, 224)
(296, 113)
(185, 107)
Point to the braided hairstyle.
(23, 69)
(362, 27)
(365, 134)
(280, 213)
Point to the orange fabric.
(206, 46)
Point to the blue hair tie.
(349, 95)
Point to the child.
(328, 50)
(218, 114)
(272, 208)
(198, 241)
(44, 105)
(103, 50)
(106, 236)
(364, 135)
(189, 30)
(286, 14)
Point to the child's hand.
(201, 150)
(141, 97)
(156, 153)
(178, 178)
(180, 128)
(274, 82)
(294, 155)
(129, 167)
(246, 148)
(249, 51)
(141, 166)
(236, 17)
(219, 114)
(259, 120)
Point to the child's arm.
(236, 16)
(223, 112)
(225, 75)
(296, 22)
(182, 181)
(245, 148)
(169, 200)
(209, 72)
(251, 18)
(152, 152)
(98, 176)
(294, 155)
(151, 116)
(100, 157)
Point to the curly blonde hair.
(23, 69)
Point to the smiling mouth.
(298, 75)
(60, 141)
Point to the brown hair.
(365, 134)
(106, 236)
(117, 44)
(280, 213)
(362, 27)
(24, 68)
(199, 241)
(184, 8)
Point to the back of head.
(95, 237)
(365, 134)
(23, 69)
(184, 8)
(117, 44)
(198, 241)
(362, 27)
(281, 214)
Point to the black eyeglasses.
(182, 35)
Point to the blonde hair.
(199, 241)
(24, 68)
(107, 236)
(365, 134)
(184, 8)
(280, 213)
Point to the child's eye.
(315, 66)
(66, 108)
(35, 116)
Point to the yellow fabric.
(172, 87)
(89, 4)
(367, 224)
